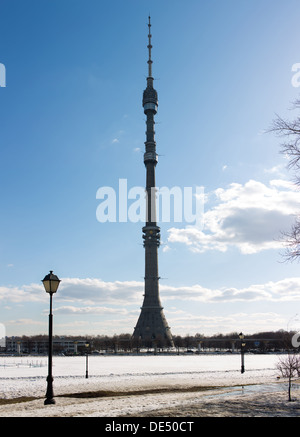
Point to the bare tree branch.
(292, 242)
(290, 148)
(289, 367)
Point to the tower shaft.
(152, 324)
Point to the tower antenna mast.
(149, 49)
(151, 325)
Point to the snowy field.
(198, 379)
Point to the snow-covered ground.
(26, 377)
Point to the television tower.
(152, 325)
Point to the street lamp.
(241, 335)
(86, 360)
(51, 283)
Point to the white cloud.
(285, 290)
(276, 169)
(88, 310)
(24, 293)
(208, 325)
(83, 296)
(23, 322)
(283, 184)
(94, 306)
(91, 291)
(249, 217)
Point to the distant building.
(32, 345)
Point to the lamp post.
(51, 283)
(86, 360)
(241, 335)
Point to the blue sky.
(71, 121)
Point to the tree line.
(258, 342)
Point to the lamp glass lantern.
(51, 282)
(241, 335)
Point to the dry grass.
(107, 393)
(17, 400)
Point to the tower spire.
(149, 49)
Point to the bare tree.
(290, 148)
(289, 367)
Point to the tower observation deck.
(151, 326)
